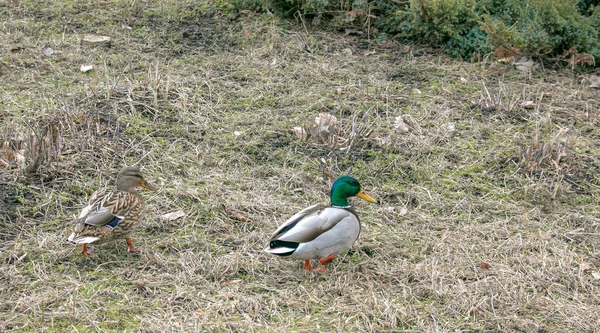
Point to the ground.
(488, 220)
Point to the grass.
(206, 104)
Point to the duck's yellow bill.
(363, 195)
(148, 186)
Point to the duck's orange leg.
(324, 262)
(85, 251)
(131, 248)
(307, 265)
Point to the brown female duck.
(112, 215)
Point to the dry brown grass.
(207, 106)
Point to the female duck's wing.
(107, 209)
(104, 209)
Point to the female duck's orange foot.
(135, 249)
(131, 248)
(307, 265)
(85, 251)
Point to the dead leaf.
(501, 53)
(547, 209)
(173, 216)
(95, 39)
(300, 132)
(400, 126)
(484, 265)
(48, 51)
(507, 60)
(584, 267)
(369, 52)
(241, 217)
(323, 131)
(226, 282)
(524, 64)
(325, 119)
(528, 104)
(20, 158)
(447, 128)
(325, 127)
(353, 32)
(86, 68)
(595, 79)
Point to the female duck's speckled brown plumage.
(112, 215)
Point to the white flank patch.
(82, 240)
(279, 250)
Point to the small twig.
(486, 90)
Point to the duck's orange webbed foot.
(85, 251)
(324, 262)
(131, 248)
(320, 268)
(309, 268)
(307, 265)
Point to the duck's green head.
(345, 187)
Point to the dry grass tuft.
(489, 217)
(327, 131)
(26, 155)
(540, 155)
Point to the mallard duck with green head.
(321, 232)
(112, 215)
